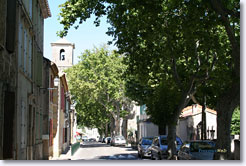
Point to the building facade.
(189, 124)
(61, 118)
(8, 79)
(22, 55)
(145, 127)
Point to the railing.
(74, 148)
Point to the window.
(65, 134)
(62, 55)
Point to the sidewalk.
(66, 155)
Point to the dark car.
(197, 150)
(159, 147)
(144, 147)
(104, 140)
(108, 140)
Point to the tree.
(167, 41)
(96, 86)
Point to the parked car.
(107, 140)
(92, 139)
(104, 140)
(85, 138)
(197, 150)
(159, 147)
(144, 147)
(118, 140)
(100, 139)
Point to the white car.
(118, 140)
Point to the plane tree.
(97, 87)
(179, 42)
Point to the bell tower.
(62, 54)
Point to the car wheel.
(151, 156)
(141, 155)
(159, 157)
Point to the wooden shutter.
(23, 124)
(62, 99)
(10, 26)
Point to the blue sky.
(85, 37)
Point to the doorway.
(8, 135)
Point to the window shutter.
(25, 50)
(30, 58)
(10, 26)
(20, 44)
(62, 99)
(23, 125)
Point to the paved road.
(101, 151)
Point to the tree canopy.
(184, 48)
(96, 84)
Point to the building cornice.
(54, 68)
(45, 8)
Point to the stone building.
(8, 79)
(21, 57)
(62, 54)
(61, 117)
(50, 106)
(189, 124)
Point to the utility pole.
(203, 132)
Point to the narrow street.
(101, 151)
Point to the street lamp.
(56, 81)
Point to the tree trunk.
(117, 126)
(171, 141)
(124, 128)
(223, 142)
(225, 107)
(112, 127)
(106, 129)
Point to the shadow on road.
(124, 156)
(93, 145)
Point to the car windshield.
(146, 141)
(120, 137)
(201, 146)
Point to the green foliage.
(172, 49)
(95, 84)
(160, 36)
(235, 122)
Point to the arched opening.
(62, 55)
